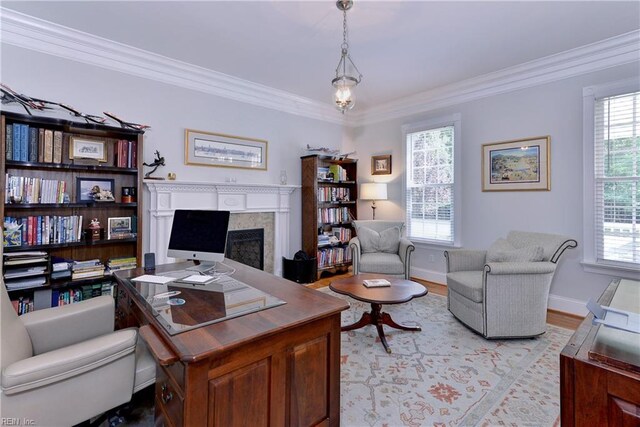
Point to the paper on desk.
(148, 278)
(613, 318)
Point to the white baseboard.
(564, 304)
(568, 305)
(428, 275)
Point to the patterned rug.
(446, 375)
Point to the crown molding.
(28, 32)
(612, 52)
(46, 37)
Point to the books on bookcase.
(28, 189)
(126, 154)
(43, 209)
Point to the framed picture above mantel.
(216, 149)
(517, 165)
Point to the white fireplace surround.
(167, 196)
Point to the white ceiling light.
(345, 82)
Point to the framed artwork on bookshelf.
(118, 227)
(85, 148)
(216, 149)
(86, 188)
(381, 165)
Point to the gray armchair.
(380, 248)
(502, 292)
(65, 365)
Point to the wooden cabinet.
(600, 368)
(275, 367)
(42, 193)
(329, 205)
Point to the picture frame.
(216, 149)
(84, 186)
(118, 227)
(381, 165)
(85, 148)
(517, 165)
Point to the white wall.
(553, 109)
(169, 110)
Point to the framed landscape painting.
(216, 149)
(518, 165)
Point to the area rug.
(446, 375)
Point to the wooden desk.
(275, 367)
(600, 368)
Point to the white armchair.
(503, 292)
(380, 248)
(65, 365)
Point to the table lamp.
(373, 191)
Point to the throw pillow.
(503, 251)
(386, 241)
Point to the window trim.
(590, 262)
(436, 122)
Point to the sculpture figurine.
(94, 223)
(158, 161)
(101, 195)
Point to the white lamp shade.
(373, 191)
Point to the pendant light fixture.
(345, 82)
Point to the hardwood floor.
(554, 317)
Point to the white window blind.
(430, 185)
(617, 179)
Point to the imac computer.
(199, 236)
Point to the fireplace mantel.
(167, 196)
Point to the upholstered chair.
(62, 366)
(380, 248)
(502, 292)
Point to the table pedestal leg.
(377, 318)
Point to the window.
(431, 181)
(612, 178)
(617, 178)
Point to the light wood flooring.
(554, 317)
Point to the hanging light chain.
(345, 45)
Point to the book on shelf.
(8, 142)
(376, 283)
(48, 146)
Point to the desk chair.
(64, 365)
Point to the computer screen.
(199, 235)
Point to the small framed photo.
(517, 165)
(86, 188)
(381, 165)
(85, 148)
(118, 227)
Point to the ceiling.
(401, 47)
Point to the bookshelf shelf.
(46, 172)
(10, 249)
(68, 205)
(329, 207)
(68, 166)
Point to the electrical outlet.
(431, 258)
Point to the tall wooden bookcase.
(116, 142)
(329, 204)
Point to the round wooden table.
(400, 291)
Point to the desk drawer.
(169, 398)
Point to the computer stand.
(202, 267)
